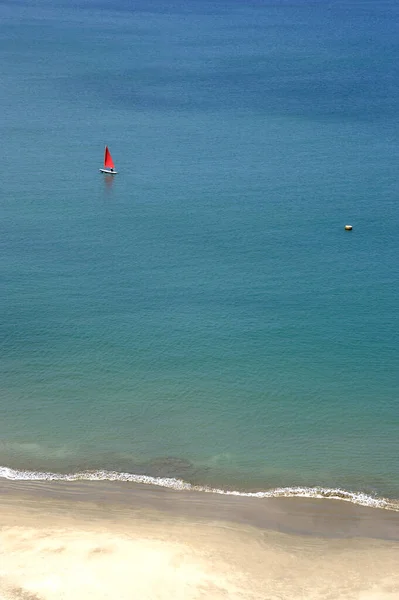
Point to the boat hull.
(108, 172)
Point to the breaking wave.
(359, 498)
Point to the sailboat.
(109, 167)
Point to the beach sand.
(91, 540)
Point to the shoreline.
(291, 515)
(96, 540)
(355, 497)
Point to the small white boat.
(109, 167)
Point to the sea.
(202, 319)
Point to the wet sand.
(86, 540)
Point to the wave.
(359, 498)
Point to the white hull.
(108, 172)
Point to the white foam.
(359, 498)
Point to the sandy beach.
(98, 540)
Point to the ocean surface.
(202, 318)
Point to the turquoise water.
(203, 315)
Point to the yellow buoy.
(348, 227)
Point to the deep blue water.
(203, 314)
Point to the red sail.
(108, 162)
